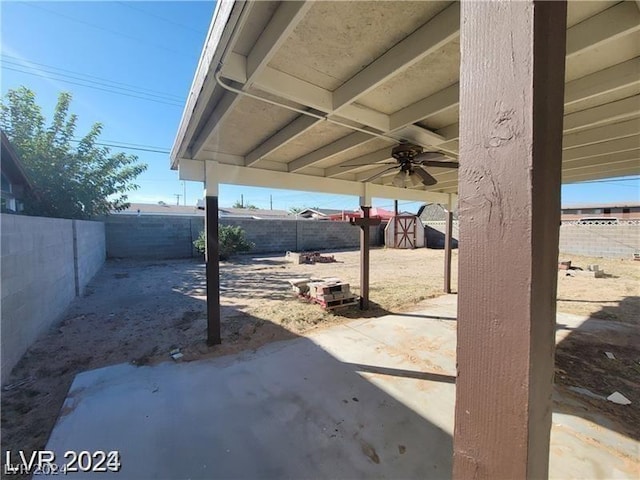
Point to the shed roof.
(321, 92)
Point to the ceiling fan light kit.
(411, 160)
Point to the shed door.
(405, 232)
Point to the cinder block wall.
(273, 236)
(159, 236)
(90, 251)
(151, 236)
(612, 241)
(45, 263)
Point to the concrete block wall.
(610, 241)
(269, 236)
(152, 236)
(38, 280)
(273, 236)
(90, 251)
(159, 236)
(45, 263)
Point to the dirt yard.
(139, 311)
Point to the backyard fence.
(46, 263)
(605, 238)
(160, 236)
(601, 239)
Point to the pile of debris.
(309, 257)
(330, 293)
(592, 270)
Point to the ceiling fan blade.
(426, 178)
(421, 157)
(367, 164)
(435, 163)
(379, 174)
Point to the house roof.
(252, 213)
(159, 209)
(321, 211)
(578, 206)
(11, 164)
(313, 118)
(166, 209)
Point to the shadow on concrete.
(429, 317)
(288, 410)
(374, 311)
(316, 415)
(396, 372)
(581, 363)
(586, 301)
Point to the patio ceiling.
(371, 73)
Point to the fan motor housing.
(406, 151)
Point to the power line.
(115, 92)
(26, 64)
(125, 147)
(40, 71)
(172, 22)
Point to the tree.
(247, 206)
(72, 178)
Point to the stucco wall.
(40, 276)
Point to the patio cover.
(371, 73)
(313, 95)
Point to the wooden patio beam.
(511, 104)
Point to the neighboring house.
(374, 212)
(319, 213)
(255, 213)
(620, 210)
(160, 209)
(15, 182)
(198, 210)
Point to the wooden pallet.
(332, 304)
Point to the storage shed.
(404, 231)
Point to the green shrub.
(231, 240)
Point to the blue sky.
(147, 52)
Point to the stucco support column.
(447, 246)
(511, 105)
(212, 256)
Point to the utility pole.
(177, 195)
(184, 198)
(241, 200)
(271, 201)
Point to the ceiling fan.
(410, 160)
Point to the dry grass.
(138, 311)
(615, 297)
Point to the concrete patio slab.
(367, 399)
